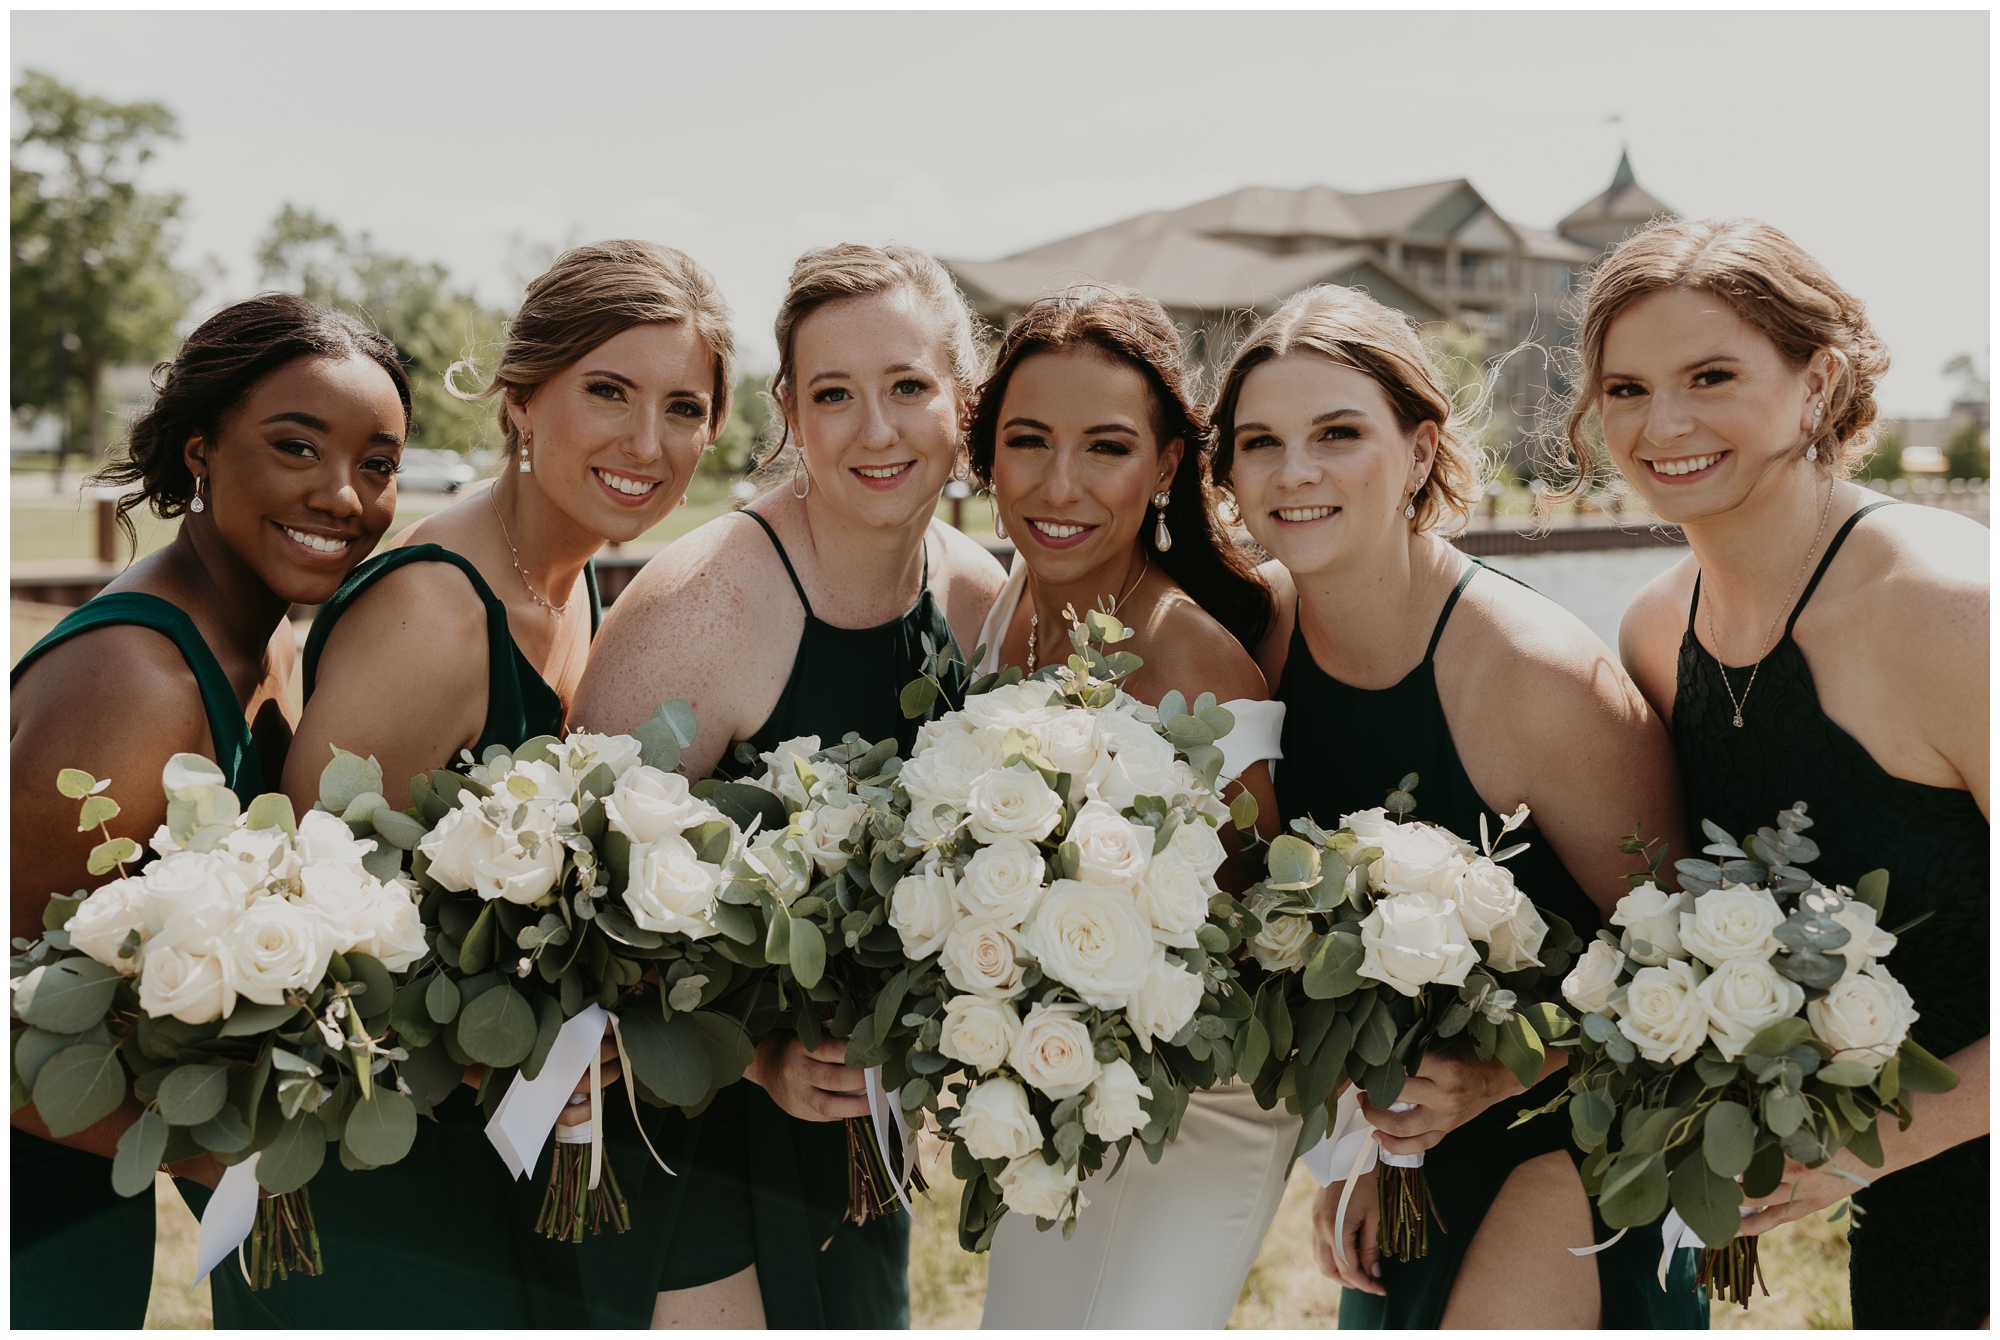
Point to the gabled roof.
(1624, 202)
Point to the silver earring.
(1410, 510)
(1812, 449)
(797, 475)
(1812, 452)
(1163, 539)
(527, 466)
(197, 505)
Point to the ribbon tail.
(228, 1218)
(1362, 1159)
(597, 1118)
(879, 1108)
(1612, 1241)
(632, 1095)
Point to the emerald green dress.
(446, 1238)
(82, 1256)
(1373, 737)
(767, 1187)
(1920, 1235)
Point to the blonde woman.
(1393, 653)
(1820, 645)
(804, 615)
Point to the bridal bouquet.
(239, 985)
(1742, 1020)
(1386, 939)
(569, 887)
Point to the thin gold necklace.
(1035, 618)
(1716, 642)
(558, 610)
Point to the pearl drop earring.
(1163, 538)
(527, 466)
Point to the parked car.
(430, 470)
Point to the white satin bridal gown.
(1163, 1245)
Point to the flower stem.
(285, 1239)
(1407, 1212)
(1730, 1273)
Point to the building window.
(1564, 278)
(1468, 269)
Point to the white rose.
(1201, 845)
(1652, 920)
(1419, 858)
(1092, 940)
(187, 986)
(101, 922)
(517, 874)
(1732, 922)
(265, 853)
(363, 915)
(1865, 1017)
(1018, 706)
(780, 774)
(995, 1121)
(777, 857)
(1141, 762)
(921, 909)
(978, 1031)
(460, 841)
(1492, 909)
(1112, 1111)
(1003, 881)
(191, 899)
(1369, 825)
(1171, 896)
(1662, 1013)
(1588, 986)
(1070, 741)
(979, 956)
(325, 839)
(942, 770)
(670, 890)
(583, 753)
(1741, 996)
(648, 804)
(1053, 1051)
(823, 828)
(1281, 945)
(1112, 850)
(1164, 1002)
(274, 947)
(929, 822)
(1414, 939)
(1030, 1186)
(399, 928)
(1012, 802)
(551, 783)
(1865, 939)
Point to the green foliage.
(737, 445)
(1965, 455)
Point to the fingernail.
(1375, 1270)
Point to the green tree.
(92, 273)
(1965, 454)
(414, 303)
(1885, 461)
(736, 446)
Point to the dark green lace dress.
(82, 1257)
(446, 1238)
(769, 1187)
(1370, 739)
(1920, 1248)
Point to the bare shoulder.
(1918, 578)
(1277, 642)
(121, 683)
(1185, 648)
(430, 610)
(967, 580)
(1658, 614)
(715, 567)
(1509, 640)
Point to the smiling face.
(873, 407)
(1698, 405)
(1322, 470)
(615, 436)
(300, 479)
(1076, 463)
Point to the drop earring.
(196, 504)
(1163, 539)
(1410, 510)
(805, 474)
(1812, 448)
(527, 443)
(999, 523)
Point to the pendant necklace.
(558, 610)
(1035, 618)
(1734, 701)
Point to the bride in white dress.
(1089, 441)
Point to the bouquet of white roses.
(1386, 939)
(239, 985)
(1745, 1018)
(570, 886)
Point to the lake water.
(1594, 585)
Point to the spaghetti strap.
(1839, 538)
(1694, 604)
(1438, 632)
(786, 559)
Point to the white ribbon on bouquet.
(228, 1218)
(883, 1108)
(1351, 1144)
(1674, 1235)
(528, 1110)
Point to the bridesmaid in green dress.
(474, 631)
(805, 617)
(275, 437)
(1395, 653)
(1734, 383)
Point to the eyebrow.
(319, 425)
(1329, 417)
(1690, 367)
(609, 375)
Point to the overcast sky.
(746, 138)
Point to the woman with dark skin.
(275, 438)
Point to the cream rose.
(1662, 1013)
(822, 830)
(267, 854)
(1141, 762)
(942, 770)
(1112, 850)
(1732, 922)
(776, 856)
(460, 841)
(995, 1121)
(1164, 1002)
(1171, 896)
(275, 946)
(518, 874)
(187, 986)
(362, 915)
(1053, 1051)
(1281, 945)
(398, 939)
(670, 890)
(979, 1031)
(648, 805)
(1865, 939)
(1865, 1017)
(191, 899)
(101, 922)
(921, 910)
(1418, 858)
(981, 956)
(780, 773)
(1012, 802)
(1030, 1186)
(583, 754)
(1413, 939)
(1070, 741)
(1589, 984)
(1201, 845)
(1112, 1111)
(1003, 881)
(929, 822)
(1492, 909)
(1019, 706)
(1741, 997)
(324, 839)
(1092, 940)
(1652, 920)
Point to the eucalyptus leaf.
(441, 999)
(96, 810)
(1728, 1138)
(75, 783)
(78, 1087)
(293, 1156)
(71, 995)
(224, 1133)
(347, 776)
(497, 1029)
(380, 1128)
(1707, 1199)
(249, 1019)
(1635, 1191)
(140, 1149)
(191, 1094)
(669, 1056)
(396, 828)
(106, 855)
